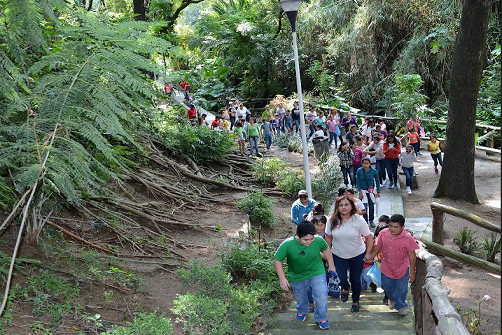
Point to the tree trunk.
(139, 10)
(457, 176)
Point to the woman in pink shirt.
(398, 262)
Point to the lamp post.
(290, 7)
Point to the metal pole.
(302, 119)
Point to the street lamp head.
(291, 7)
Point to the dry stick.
(14, 210)
(78, 238)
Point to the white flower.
(486, 297)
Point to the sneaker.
(402, 311)
(408, 189)
(391, 185)
(324, 324)
(301, 317)
(436, 170)
(390, 304)
(354, 308)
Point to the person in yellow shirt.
(434, 147)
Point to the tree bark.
(457, 176)
(139, 10)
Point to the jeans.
(354, 172)
(232, 122)
(319, 288)
(370, 209)
(312, 131)
(365, 279)
(253, 142)
(297, 124)
(416, 147)
(288, 125)
(391, 164)
(355, 267)
(380, 167)
(437, 158)
(396, 289)
(268, 140)
(332, 136)
(345, 171)
(408, 172)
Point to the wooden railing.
(434, 313)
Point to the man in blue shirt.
(303, 205)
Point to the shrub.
(209, 279)
(466, 241)
(291, 182)
(282, 140)
(325, 185)
(268, 170)
(490, 248)
(201, 315)
(249, 262)
(199, 143)
(144, 324)
(259, 208)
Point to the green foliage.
(488, 107)
(49, 294)
(199, 143)
(201, 314)
(249, 262)
(259, 208)
(490, 248)
(325, 185)
(466, 241)
(85, 86)
(268, 170)
(322, 79)
(215, 306)
(290, 182)
(144, 324)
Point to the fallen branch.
(81, 240)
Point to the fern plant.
(81, 101)
(490, 248)
(466, 241)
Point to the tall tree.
(139, 10)
(457, 176)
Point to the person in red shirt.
(215, 125)
(192, 113)
(168, 89)
(414, 139)
(185, 87)
(398, 262)
(392, 150)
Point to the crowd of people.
(344, 245)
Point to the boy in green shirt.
(306, 271)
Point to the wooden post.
(490, 143)
(417, 289)
(428, 322)
(437, 226)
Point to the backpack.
(333, 287)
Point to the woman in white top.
(343, 233)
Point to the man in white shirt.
(367, 129)
(377, 144)
(281, 111)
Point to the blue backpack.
(333, 287)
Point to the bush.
(217, 307)
(201, 315)
(290, 183)
(144, 324)
(259, 208)
(268, 170)
(466, 241)
(490, 248)
(199, 143)
(249, 262)
(282, 140)
(325, 185)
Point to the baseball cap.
(302, 192)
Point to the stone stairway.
(373, 318)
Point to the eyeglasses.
(302, 196)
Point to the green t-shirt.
(252, 130)
(303, 262)
(238, 130)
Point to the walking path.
(373, 317)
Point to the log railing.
(438, 211)
(434, 313)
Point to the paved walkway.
(373, 317)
